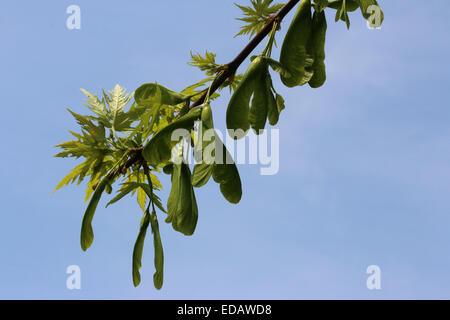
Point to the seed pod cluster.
(294, 51)
(221, 167)
(256, 86)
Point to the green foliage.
(257, 16)
(127, 137)
(207, 64)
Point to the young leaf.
(257, 16)
(129, 187)
(206, 64)
(124, 190)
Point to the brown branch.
(136, 155)
(234, 65)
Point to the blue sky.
(364, 161)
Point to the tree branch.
(230, 70)
(234, 65)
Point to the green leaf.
(159, 149)
(342, 14)
(142, 198)
(196, 90)
(124, 190)
(138, 249)
(117, 101)
(257, 16)
(97, 133)
(153, 94)
(182, 205)
(113, 117)
(128, 187)
(87, 234)
(71, 177)
(98, 107)
(158, 277)
(206, 64)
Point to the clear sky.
(364, 161)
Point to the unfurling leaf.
(257, 16)
(206, 64)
